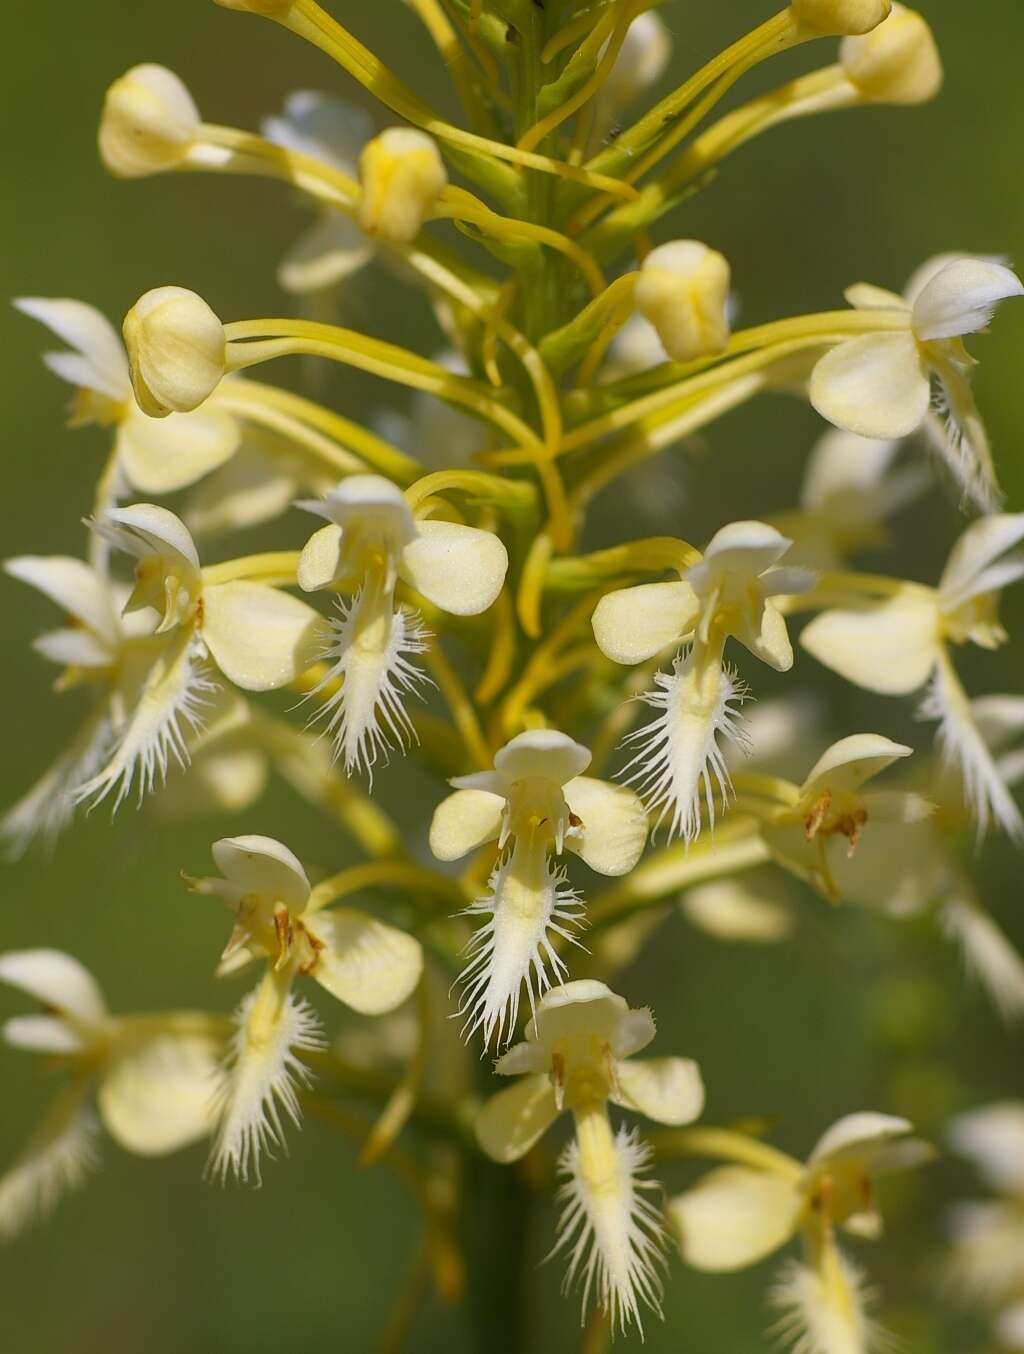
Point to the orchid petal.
(366, 964)
(162, 455)
(875, 385)
(734, 1217)
(161, 1095)
(667, 1090)
(891, 649)
(55, 979)
(460, 569)
(511, 1122)
(613, 828)
(261, 639)
(89, 332)
(465, 821)
(631, 625)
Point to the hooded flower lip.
(334, 132)
(362, 962)
(833, 803)
(678, 764)
(895, 647)
(535, 804)
(152, 1077)
(880, 385)
(576, 1057)
(157, 456)
(371, 541)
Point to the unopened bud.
(176, 350)
(683, 290)
(149, 122)
(642, 59)
(402, 175)
(898, 62)
(840, 17)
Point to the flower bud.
(149, 121)
(898, 62)
(840, 17)
(402, 175)
(642, 59)
(683, 290)
(176, 350)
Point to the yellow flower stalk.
(495, 611)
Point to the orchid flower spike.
(152, 1079)
(737, 1215)
(327, 129)
(885, 383)
(850, 488)
(155, 456)
(371, 541)
(156, 665)
(364, 963)
(898, 645)
(535, 804)
(832, 803)
(576, 1057)
(730, 592)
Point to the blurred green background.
(854, 1013)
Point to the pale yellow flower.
(897, 646)
(881, 384)
(537, 803)
(737, 1215)
(371, 542)
(155, 665)
(362, 962)
(729, 593)
(576, 1057)
(156, 456)
(832, 809)
(152, 1078)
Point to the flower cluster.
(450, 608)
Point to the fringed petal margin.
(369, 654)
(512, 947)
(261, 1078)
(166, 705)
(57, 1158)
(964, 748)
(680, 762)
(988, 954)
(46, 810)
(613, 1235)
